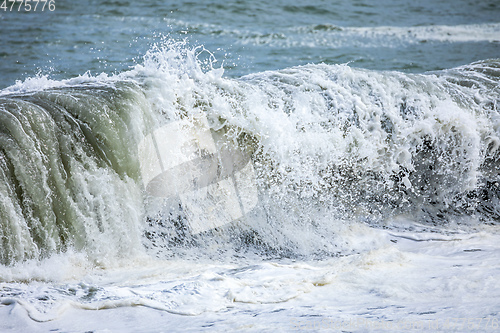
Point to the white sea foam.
(425, 283)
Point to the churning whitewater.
(308, 162)
(325, 141)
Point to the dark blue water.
(249, 36)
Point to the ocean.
(249, 166)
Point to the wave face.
(331, 146)
(68, 169)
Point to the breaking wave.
(324, 147)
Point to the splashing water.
(331, 155)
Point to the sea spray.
(333, 145)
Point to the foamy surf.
(403, 284)
(365, 184)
